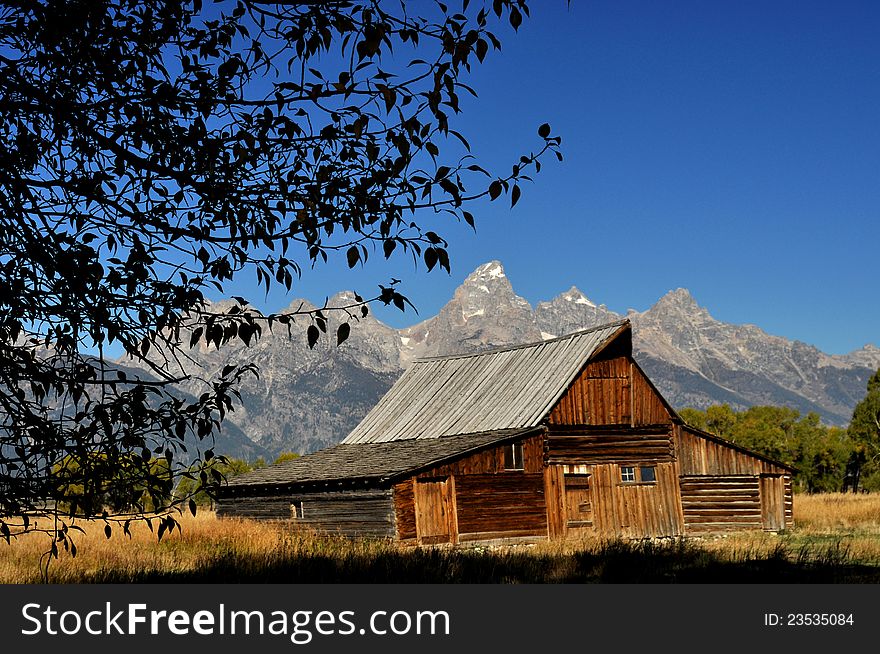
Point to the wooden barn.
(560, 438)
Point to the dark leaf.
(313, 334)
(353, 255)
(430, 258)
(342, 333)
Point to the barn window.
(627, 473)
(647, 474)
(513, 457)
(296, 510)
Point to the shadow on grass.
(616, 562)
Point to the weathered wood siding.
(610, 391)
(435, 510)
(648, 405)
(500, 506)
(255, 507)
(789, 503)
(485, 501)
(637, 510)
(583, 444)
(352, 513)
(629, 509)
(776, 505)
(405, 510)
(491, 460)
(554, 497)
(699, 455)
(713, 503)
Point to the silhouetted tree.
(153, 150)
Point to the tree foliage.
(151, 151)
(864, 431)
(194, 483)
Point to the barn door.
(433, 511)
(578, 504)
(773, 503)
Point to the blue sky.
(729, 148)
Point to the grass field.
(836, 539)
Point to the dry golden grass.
(835, 511)
(836, 538)
(204, 539)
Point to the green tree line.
(191, 483)
(827, 458)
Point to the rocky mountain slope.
(307, 399)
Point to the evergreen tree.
(864, 431)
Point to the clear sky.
(731, 148)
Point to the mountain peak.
(574, 294)
(680, 297)
(491, 270)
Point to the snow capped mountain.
(571, 311)
(306, 399)
(483, 313)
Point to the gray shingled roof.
(509, 388)
(375, 461)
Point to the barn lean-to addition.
(555, 439)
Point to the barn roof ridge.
(522, 346)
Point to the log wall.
(584, 445)
(715, 503)
(500, 506)
(255, 507)
(351, 513)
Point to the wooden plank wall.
(487, 468)
(574, 445)
(633, 510)
(351, 513)
(600, 395)
(491, 461)
(496, 506)
(610, 392)
(789, 502)
(405, 509)
(714, 503)
(255, 507)
(636, 510)
(648, 407)
(776, 502)
(698, 455)
(554, 497)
